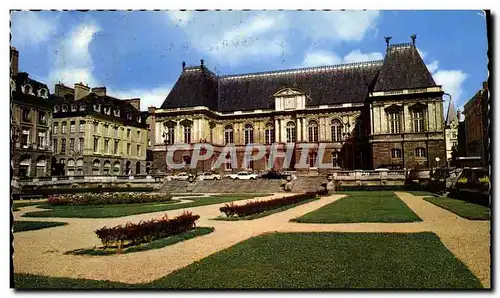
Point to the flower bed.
(260, 206)
(146, 231)
(106, 198)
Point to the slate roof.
(23, 78)
(451, 115)
(403, 68)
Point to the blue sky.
(139, 54)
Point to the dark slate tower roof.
(451, 116)
(197, 86)
(403, 69)
(335, 84)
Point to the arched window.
(43, 93)
(187, 134)
(290, 132)
(79, 162)
(56, 109)
(248, 134)
(418, 120)
(336, 159)
(170, 133)
(395, 153)
(116, 168)
(28, 89)
(420, 152)
(312, 159)
(82, 107)
(24, 166)
(71, 167)
(127, 168)
(148, 168)
(336, 128)
(269, 134)
(138, 168)
(41, 166)
(228, 135)
(74, 107)
(96, 167)
(71, 163)
(313, 131)
(64, 108)
(106, 167)
(116, 113)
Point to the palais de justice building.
(381, 113)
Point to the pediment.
(288, 92)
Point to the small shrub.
(106, 198)
(146, 231)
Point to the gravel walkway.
(41, 252)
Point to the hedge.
(146, 231)
(257, 206)
(106, 198)
(27, 192)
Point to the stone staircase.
(222, 186)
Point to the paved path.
(41, 252)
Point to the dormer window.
(116, 113)
(65, 108)
(129, 116)
(28, 89)
(97, 107)
(73, 107)
(43, 93)
(139, 119)
(107, 110)
(82, 107)
(56, 109)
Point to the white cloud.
(31, 27)
(149, 97)
(357, 56)
(231, 37)
(451, 80)
(433, 66)
(322, 58)
(72, 59)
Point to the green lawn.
(461, 208)
(29, 281)
(17, 205)
(119, 210)
(419, 193)
(383, 206)
(21, 226)
(309, 261)
(263, 214)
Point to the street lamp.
(437, 161)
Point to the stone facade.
(476, 113)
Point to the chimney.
(101, 91)
(81, 91)
(151, 110)
(61, 90)
(135, 102)
(14, 61)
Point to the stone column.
(299, 130)
(178, 134)
(276, 130)
(304, 129)
(283, 130)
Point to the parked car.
(182, 176)
(243, 176)
(209, 176)
(289, 173)
(271, 175)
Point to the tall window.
(336, 127)
(71, 145)
(72, 127)
(106, 129)
(418, 121)
(394, 122)
(420, 152)
(41, 139)
(26, 114)
(63, 130)
(187, 134)
(82, 126)
(80, 147)
(56, 128)
(396, 153)
(96, 127)
(313, 131)
(54, 146)
(96, 144)
(170, 135)
(248, 134)
(128, 133)
(138, 150)
(269, 134)
(116, 147)
(336, 159)
(25, 137)
(116, 131)
(138, 135)
(312, 159)
(290, 132)
(129, 149)
(42, 118)
(228, 135)
(63, 146)
(106, 146)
